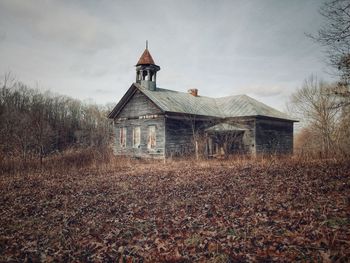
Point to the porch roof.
(224, 127)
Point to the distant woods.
(325, 108)
(325, 116)
(34, 124)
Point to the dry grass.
(79, 207)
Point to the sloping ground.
(218, 212)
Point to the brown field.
(216, 211)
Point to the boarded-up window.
(151, 144)
(122, 137)
(136, 137)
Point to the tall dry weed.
(103, 160)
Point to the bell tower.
(146, 70)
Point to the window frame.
(122, 137)
(152, 132)
(134, 141)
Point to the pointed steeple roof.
(146, 58)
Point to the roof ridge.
(219, 108)
(249, 100)
(283, 114)
(169, 90)
(182, 92)
(224, 107)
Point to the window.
(136, 137)
(122, 137)
(151, 144)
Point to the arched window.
(144, 74)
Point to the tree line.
(325, 107)
(34, 124)
(325, 117)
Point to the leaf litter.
(178, 212)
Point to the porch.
(224, 139)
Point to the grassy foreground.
(216, 211)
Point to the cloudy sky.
(87, 49)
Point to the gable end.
(133, 104)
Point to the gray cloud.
(88, 49)
(265, 90)
(104, 91)
(2, 37)
(57, 23)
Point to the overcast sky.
(88, 49)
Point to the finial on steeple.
(146, 70)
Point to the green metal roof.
(231, 106)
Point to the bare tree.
(33, 123)
(335, 35)
(227, 140)
(313, 104)
(199, 138)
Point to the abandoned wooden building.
(154, 122)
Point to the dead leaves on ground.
(179, 213)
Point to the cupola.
(146, 70)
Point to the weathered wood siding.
(273, 136)
(140, 106)
(248, 140)
(179, 137)
(179, 134)
(142, 151)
